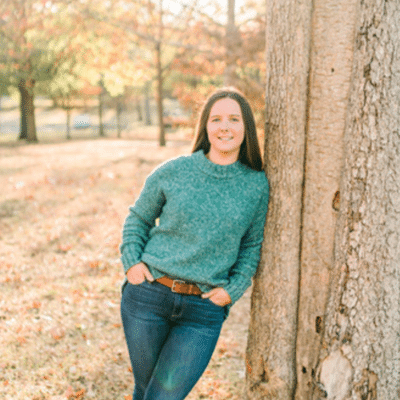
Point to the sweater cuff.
(128, 261)
(236, 290)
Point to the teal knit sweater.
(200, 222)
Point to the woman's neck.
(222, 158)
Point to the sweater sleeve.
(141, 219)
(249, 253)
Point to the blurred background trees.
(121, 53)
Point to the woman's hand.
(138, 274)
(218, 296)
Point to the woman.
(184, 272)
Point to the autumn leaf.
(94, 264)
(21, 339)
(70, 394)
(80, 393)
(36, 305)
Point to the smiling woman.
(237, 113)
(225, 131)
(184, 273)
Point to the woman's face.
(225, 128)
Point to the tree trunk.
(231, 43)
(139, 110)
(68, 110)
(325, 306)
(160, 79)
(118, 115)
(360, 356)
(160, 106)
(271, 368)
(27, 108)
(147, 111)
(332, 42)
(101, 104)
(23, 129)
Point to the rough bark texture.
(361, 353)
(325, 316)
(272, 336)
(333, 26)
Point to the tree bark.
(27, 108)
(360, 357)
(271, 368)
(325, 306)
(332, 26)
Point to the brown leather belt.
(181, 287)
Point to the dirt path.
(61, 211)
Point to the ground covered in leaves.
(62, 206)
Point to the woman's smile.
(225, 129)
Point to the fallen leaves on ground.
(62, 207)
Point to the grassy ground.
(62, 206)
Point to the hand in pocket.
(138, 273)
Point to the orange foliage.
(70, 394)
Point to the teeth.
(225, 139)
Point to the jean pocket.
(137, 284)
(213, 304)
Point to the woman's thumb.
(148, 274)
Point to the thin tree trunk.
(68, 110)
(160, 79)
(160, 106)
(27, 108)
(101, 126)
(231, 42)
(147, 112)
(139, 110)
(23, 129)
(119, 112)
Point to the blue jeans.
(170, 338)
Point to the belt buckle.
(176, 281)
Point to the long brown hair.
(249, 154)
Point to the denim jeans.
(170, 338)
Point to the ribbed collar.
(216, 170)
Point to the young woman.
(185, 271)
